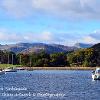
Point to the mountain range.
(37, 47)
(83, 45)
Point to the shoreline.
(57, 68)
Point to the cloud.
(17, 8)
(89, 39)
(48, 37)
(45, 37)
(96, 35)
(93, 37)
(9, 37)
(62, 8)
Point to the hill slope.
(36, 47)
(96, 47)
(83, 45)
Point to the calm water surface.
(49, 85)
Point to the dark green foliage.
(40, 59)
(84, 57)
(58, 59)
(43, 59)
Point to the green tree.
(40, 59)
(58, 59)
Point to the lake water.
(49, 85)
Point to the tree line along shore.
(75, 59)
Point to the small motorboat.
(2, 72)
(10, 70)
(96, 74)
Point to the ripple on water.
(76, 85)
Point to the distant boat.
(2, 72)
(10, 70)
(20, 68)
(96, 74)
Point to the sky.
(50, 21)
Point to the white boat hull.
(10, 70)
(96, 76)
(2, 72)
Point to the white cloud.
(47, 37)
(17, 8)
(63, 8)
(93, 37)
(44, 36)
(8, 37)
(96, 34)
(88, 39)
